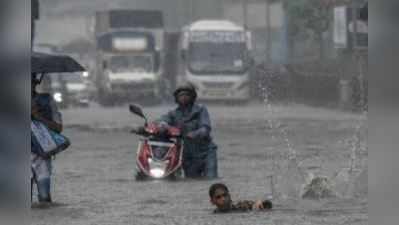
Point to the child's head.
(220, 196)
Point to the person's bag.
(45, 141)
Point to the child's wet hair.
(214, 187)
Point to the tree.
(308, 18)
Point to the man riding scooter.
(199, 155)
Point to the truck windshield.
(131, 63)
(208, 57)
(73, 78)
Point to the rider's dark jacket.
(199, 155)
(193, 118)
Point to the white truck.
(129, 58)
(215, 58)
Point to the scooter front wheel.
(140, 176)
(176, 175)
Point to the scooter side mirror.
(137, 110)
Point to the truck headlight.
(85, 74)
(57, 97)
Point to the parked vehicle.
(70, 90)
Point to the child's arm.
(258, 205)
(266, 204)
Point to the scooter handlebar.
(133, 131)
(162, 131)
(138, 130)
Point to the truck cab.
(216, 58)
(129, 45)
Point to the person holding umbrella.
(45, 111)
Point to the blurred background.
(305, 51)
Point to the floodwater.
(262, 151)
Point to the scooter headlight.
(57, 97)
(157, 172)
(157, 169)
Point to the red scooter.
(160, 150)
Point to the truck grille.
(133, 86)
(222, 85)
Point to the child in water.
(220, 197)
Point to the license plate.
(217, 93)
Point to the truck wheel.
(242, 102)
(151, 100)
(62, 105)
(105, 100)
(84, 105)
(106, 103)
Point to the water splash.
(318, 188)
(290, 182)
(345, 180)
(287, 179)
(348, 182)
(270, 125)
(361, 184)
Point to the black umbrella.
(42, 63)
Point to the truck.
(216, 59)
(129, 55)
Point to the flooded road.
(262, 150)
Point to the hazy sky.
(73, 16)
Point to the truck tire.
(105, 99)
(151, 100)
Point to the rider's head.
(185, 94)
(220, 196)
